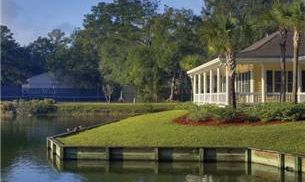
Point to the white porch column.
(205, 86)
(227, 85)
(194, 86)
(211, 85)
(299, 82)
(263, 75)
(199, 88)
(218, 84)
(199, 84)
(252, 85)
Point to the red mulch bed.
(184, 121)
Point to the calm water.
(24, 158)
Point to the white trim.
(252, 86)
(227, 85)
(218, 82)
(204, 66)
(263, 80)
(211, 84)
(264, 60)
(199, 83)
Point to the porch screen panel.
(247, 82)
(196, 85)
(224, 83)
(208, 84)
(243, 82)
(277, 81)
(215, 84)
(202, 84)
(269, 81)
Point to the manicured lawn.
(158, 129)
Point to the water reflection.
(23, 146)
(175, 171)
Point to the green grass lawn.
(159, 129)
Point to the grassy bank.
(114, 108)
(159, 129)
(50, 107)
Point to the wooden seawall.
(290, 162)
(202, 154)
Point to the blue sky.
(29, 19)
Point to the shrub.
(35, 107)
(212, 112)
(8, 107)
(226, 114)
(198, 114)
(262, 112)
(279, 111)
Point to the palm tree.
(279, 14)
(223, 33)
(296, 21)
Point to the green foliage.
(140, 47)
(36, 107)
(201, 113)
(277, 112)
(225, 114)
(262, 112)
(14, 59)
(32, 107)
(8, 107)
(213, 112)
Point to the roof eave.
(205, 66)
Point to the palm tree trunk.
(283, 35)
(296, 47)
(231, 63)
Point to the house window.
(246, 83)
(277, 81)
(269, 75)
(289, 81)
(274, 81)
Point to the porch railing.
(212, 98)
(249, 97)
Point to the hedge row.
(261, 112)
(32, 107)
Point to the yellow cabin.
(258, 74)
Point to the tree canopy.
(131, 42)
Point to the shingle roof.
(269, 47)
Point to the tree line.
(130, 42)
